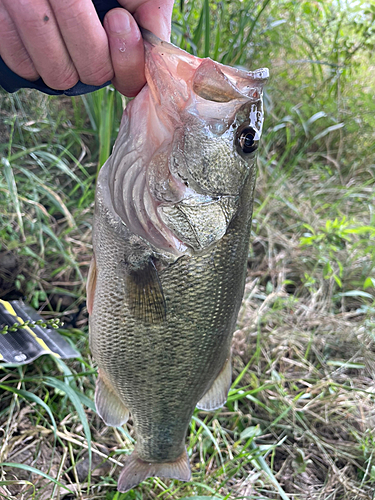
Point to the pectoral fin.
(144, 293)
(217, 394)
(108, 405)
(136, 470)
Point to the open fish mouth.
(152, 185)
(213, 81)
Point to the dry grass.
(307, 360)
(299, 421)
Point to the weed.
(299, 417)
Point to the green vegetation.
(299, 422)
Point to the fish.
(171, 232)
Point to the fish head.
(216, 113)
(186, 145)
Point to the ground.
(299, 421)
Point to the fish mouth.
(209, 80)
(147, 191)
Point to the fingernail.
(118, 22)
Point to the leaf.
(106, 118)
(52, 195)
(274, 24)
(199, 29)
(250, 432)
(369, 282)
(278, 127)
(60, 164)
(346, 364)
(356, 293)
(328, 130)
(337, 279)
(360, 230)
(316, 116)
(264, 466)
(58, 202)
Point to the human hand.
(63, 41)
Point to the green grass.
(299, 419)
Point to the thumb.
(154, 15)
(127, 52)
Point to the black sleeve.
(12, 82)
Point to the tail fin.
(136, 470)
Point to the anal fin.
(108, 405)
(136, 470)
(217, 394)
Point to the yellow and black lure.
(28, 343)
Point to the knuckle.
(26, 69)
(65, 8)
(97, 77)
(61, 81)
(71, 14)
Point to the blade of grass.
(32, 397)
(13, 193)
(206, 7)
(264, 466)
(72, 395)
(199, 30)
(211, 436)
(54, 160)
(105, 128)
(28, 468)
(218, 31)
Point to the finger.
(127, 52)
(39, 32)
(12, 50)
(154, 15)
(85, 39)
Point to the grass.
(299, 419)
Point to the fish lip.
(149, 37)
(152, 39)
(259, 76)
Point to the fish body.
(171, 232)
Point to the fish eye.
(246, 140)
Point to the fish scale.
(163, 306)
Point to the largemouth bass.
(171, 235)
